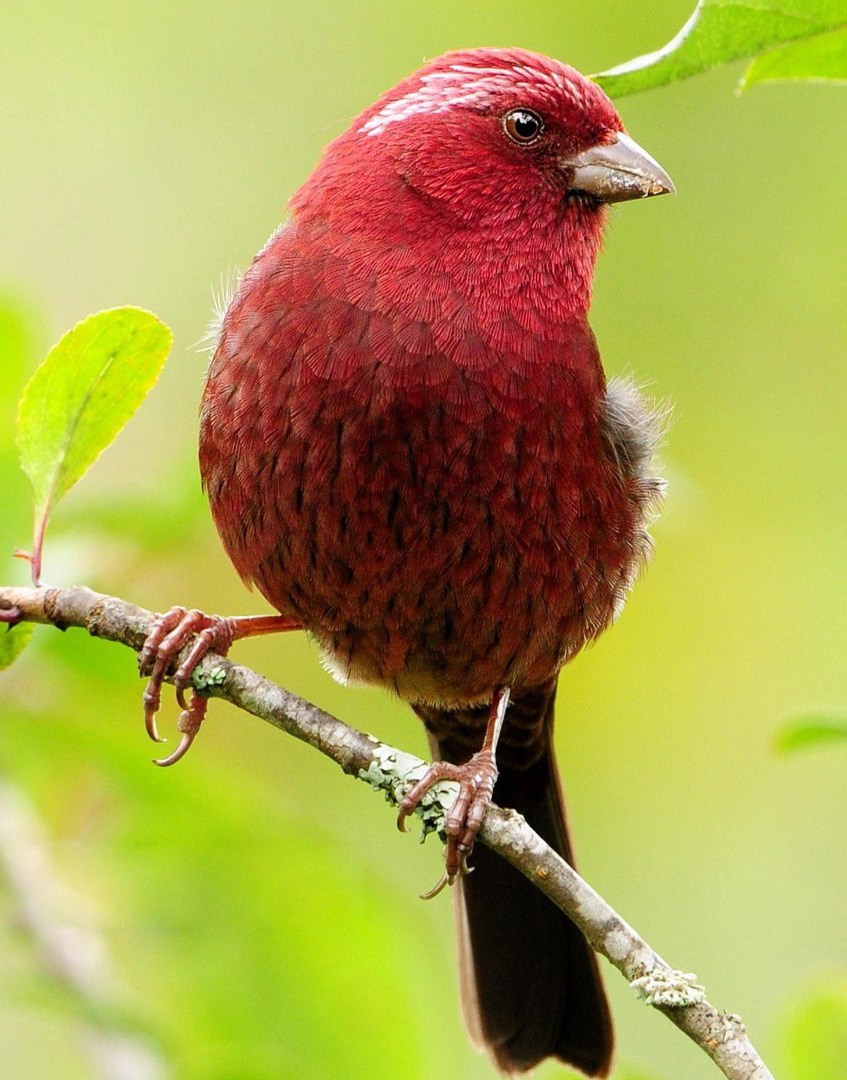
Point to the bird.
(411, 449)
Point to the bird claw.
(441, 884)
(168, 636)
(192, 716)
(449, 879)
(476, 779)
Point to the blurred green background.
(260, 911)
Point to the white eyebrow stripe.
(468, 69)
(461, 84)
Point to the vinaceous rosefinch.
(410, 447)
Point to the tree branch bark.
(677, 995)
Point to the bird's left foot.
(476, 779)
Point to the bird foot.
(476, 779)
(168, 636)
(188, 725)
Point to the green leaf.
(720, 31)
(817, 1037)
(78, 400)
(818, 59)
(13, 641)
(811, 731)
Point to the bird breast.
(444, 500)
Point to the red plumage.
(409, 447)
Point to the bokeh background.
(258, 912)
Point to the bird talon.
(448, 878)
(177, 755)
(152, 729)
(152, 699)
(189, 724)
(438, 887)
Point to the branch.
(722, 1036)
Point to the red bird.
(410, 447)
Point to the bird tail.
(529, 982)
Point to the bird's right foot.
(169, 635)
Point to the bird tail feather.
(529, 982)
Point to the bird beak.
(617, 172)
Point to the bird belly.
(434, 555)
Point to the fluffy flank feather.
(222, 296)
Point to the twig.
(677, 995)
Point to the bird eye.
(523, 126)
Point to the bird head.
(491, 166)
(484, 136)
